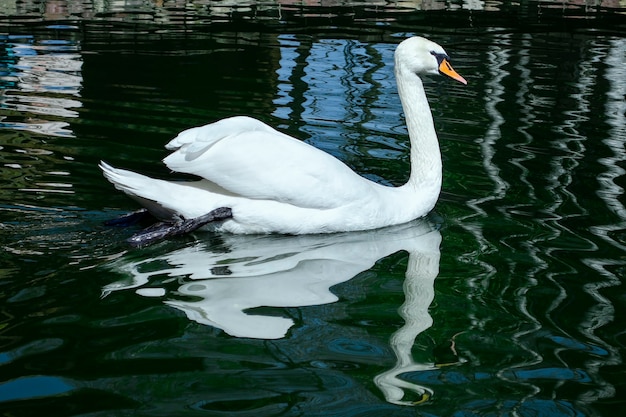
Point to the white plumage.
(274, 183)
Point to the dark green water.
(508, 300)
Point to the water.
(507, 300)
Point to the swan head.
(422, 56)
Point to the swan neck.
(425, 152)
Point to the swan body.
(273, 183)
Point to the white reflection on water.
(419, 291)
(219, 286)
(551, 201)
(41, 83)
(612, 194)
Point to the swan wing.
(245, 157)
(198, 138)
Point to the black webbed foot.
(162, 230)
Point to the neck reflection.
(217, 285)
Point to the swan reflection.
(216, 284)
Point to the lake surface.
(508, 299)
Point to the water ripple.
(41, 85)
(526, 316)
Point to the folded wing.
(247, 158)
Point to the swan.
(255, 179)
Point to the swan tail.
(123, 180)
(145, 190)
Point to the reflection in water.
(610, 192)
(40, 94)
(537, 205)
(218, 287)
(172, 12)
(603, 313)
(40, 85)
(532, 281)
(419, 292)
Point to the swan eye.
(440, 57)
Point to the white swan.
(255, 179)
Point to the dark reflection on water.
(524, 317)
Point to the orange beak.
(446, 68)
